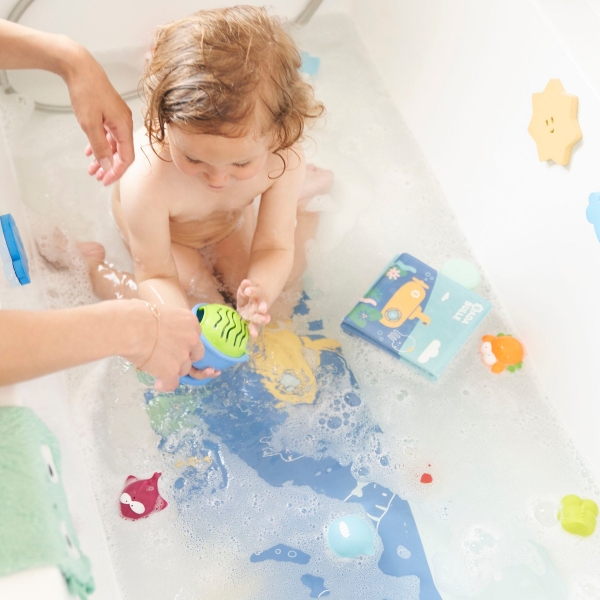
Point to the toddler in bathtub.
(226, 108)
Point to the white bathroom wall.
(462, 73)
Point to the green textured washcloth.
(35, 524)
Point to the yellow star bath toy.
(554, 125)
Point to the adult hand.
(102, 114)
(171, 354)
(252, 305)
(207, 373)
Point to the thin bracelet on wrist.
(154, 310)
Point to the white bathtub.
(461, 73)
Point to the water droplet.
(334, 423)
(352, 399)
(545, 513)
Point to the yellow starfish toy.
(554, 125)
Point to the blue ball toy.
(351, 536)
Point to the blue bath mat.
(297, 378)
(243, 409)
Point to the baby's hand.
(251, 304)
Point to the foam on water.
(499, 459)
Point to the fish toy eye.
(137, 507)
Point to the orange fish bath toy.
(501, 352)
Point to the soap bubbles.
(546, 513)
(586, 590)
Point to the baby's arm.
(145, 207)
(146, 211)
(272, 254)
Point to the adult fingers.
(166, 384)
(207, 373)
(185, 367)
(99, 145)
(93, 167)
(197, 352)
(122, 134)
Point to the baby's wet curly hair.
(228, 72)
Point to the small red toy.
(140, 497)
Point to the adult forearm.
(271, 269)
(35, 343)
(24, 48)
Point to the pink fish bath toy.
(140, 497)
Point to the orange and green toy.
(500, 352)
(578, 516)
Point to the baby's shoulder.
(287, 165)
(147, 179)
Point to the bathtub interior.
(122, 53)
(499, 456)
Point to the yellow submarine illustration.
(405, 304)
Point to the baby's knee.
(93, 252)
(317, 182)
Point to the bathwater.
(497, 458)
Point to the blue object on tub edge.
(310, 64)
(17, 255)
(592, 212)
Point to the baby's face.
(217, 161)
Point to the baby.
(226, 110)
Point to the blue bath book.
(418, 315)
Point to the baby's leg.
(232, 255)
(109, 283)
(195, 275)
(317, 182)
